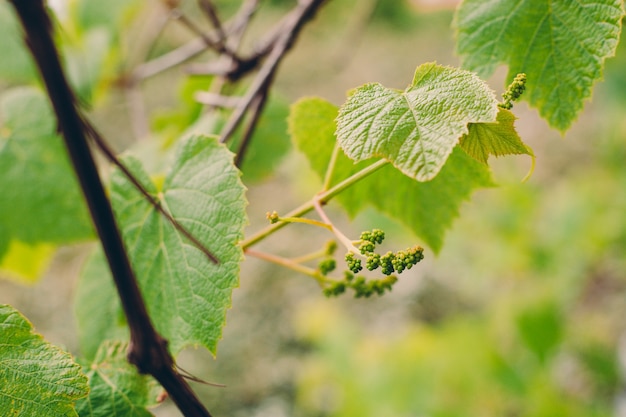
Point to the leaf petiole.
(331, 167)
(321, 198)
(291, 264)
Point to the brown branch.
(148, 350)
(256, 108)
(217, 46)
(210, 11)
(304, 12)
(169, 60)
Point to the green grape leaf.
(426, 208)
(41, 200)
(25, 263)
(16, 64)
(269, 142)
(36, 378)
(110, 14)
(560, 45)
(116, 388)
(186, 295)
(541, 328)
(97, 306)
(498, 139)
(416, 129)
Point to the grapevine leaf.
(416, 129)
(498, 139)
(41, 201)
(25, 263)
(426, 208)
(269, 142)
(109, 15)
(186, 295)
(560, 45)
(116, 388)
(98, 310)
(36, 378)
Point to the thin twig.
(216, 100)
(345, 240)
(217, 46)
(289, 263)
(148, 349)
(321, 198)
(210, 11)
(256, 109)
(137, 111)
(169, 60)
(110, 155)
(238, 25)
(303, 13)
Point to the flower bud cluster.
(389, 263)
(514, 91)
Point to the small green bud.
(335, 289)
(386, 263)
(372, 262)
(354, 264)
(330, 247)
(272, 217)
(514, 91)
(377, 236)
(327, 265)
(348, 276)
(366, 247)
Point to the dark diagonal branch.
(256, 108)
(148, 350)
(210, 11)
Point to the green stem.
(323, 198)
(340, 236)
(288, 263)
(305, 221)
(331, 167)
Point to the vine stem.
(312, 222)
(288, 263)
(148, 349)
(340, 236)
(321, 198)
(331, 167)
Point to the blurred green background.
(521, 314)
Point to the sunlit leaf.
(498, 139)
(25, 263)
(41, 201)
(416, 129)
(116, 389)
(561, 46)
(186, 294)
(97, 305)
(426, 208)
(36, 378)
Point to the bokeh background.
(522, 312)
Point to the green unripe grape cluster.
(354, 264)
(327, 265)
(376, 236)
(514, 91)
(389, 263)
